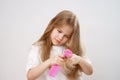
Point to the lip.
(58, 41)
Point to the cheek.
(53, 34)
(65, 40)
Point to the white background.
(22, 22)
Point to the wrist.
(79, 59)
(48, 62)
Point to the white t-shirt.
(34, 60)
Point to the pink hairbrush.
(55, 68)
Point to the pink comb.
(67, 53)
(55, 68)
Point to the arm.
(85, 66)
(35, 72)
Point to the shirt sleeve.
(33, 59)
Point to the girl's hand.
(75, 59)
(59, 59)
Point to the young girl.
(61, 33)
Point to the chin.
(56, 44)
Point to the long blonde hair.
(65, 17)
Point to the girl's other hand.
(59, 59)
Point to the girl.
(61, 33)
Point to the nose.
(61, 36)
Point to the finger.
(62, 56)
(73, 65)
(61, 59)
(59, 62)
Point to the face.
(60, 36)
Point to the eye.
(67, 36)
(59, 31)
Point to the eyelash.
(67, 36)
(64, 35)
(59, 31)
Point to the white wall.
(22, 22)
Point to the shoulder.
(34, 51)
(35, 47)
(33, 57)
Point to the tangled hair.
(65, 17)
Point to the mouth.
(58, 41)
